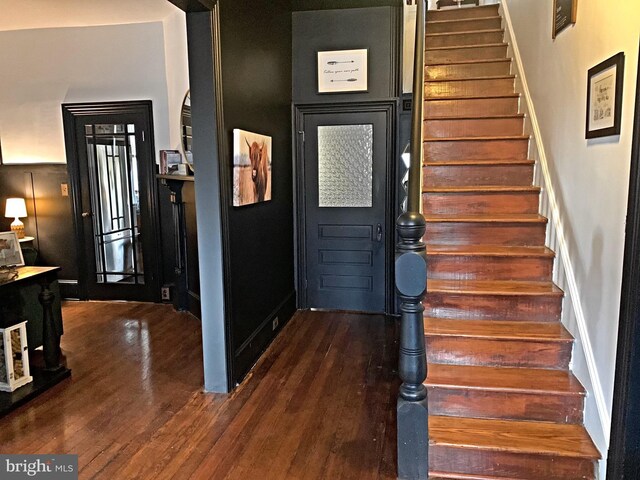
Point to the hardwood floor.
(320, 403)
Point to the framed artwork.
(564, 15)
(251, 168)
(604, 97)
(342, 71)
(10, 251)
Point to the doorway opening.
(110, 157)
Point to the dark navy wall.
(256, 93)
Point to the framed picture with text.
(604, 97)
(342, 71)
(564, 15)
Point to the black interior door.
(345, 196)
(116, 201)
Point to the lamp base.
(18, 227)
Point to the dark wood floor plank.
(319, 404)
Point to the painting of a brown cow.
(251, 168)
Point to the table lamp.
(16, 208)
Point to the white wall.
(177, 72)
(590, 178)
(44, 68)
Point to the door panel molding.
(390, 109)
(73, 113)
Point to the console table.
(51, 371)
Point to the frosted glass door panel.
(345, 166)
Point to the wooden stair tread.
(474, 117)
(465, 62)
(456, 47)
(456, 20)
(497, 329)
(479, 139)
(475, 7)
(473, 97)
(467, 79)
(504, 379)
(493, 287)
(483, 189)
(467, 32)
(490, 250)
(462, 476)
(555, 439)
(502, 218)
(481, 162)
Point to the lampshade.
(16, 208)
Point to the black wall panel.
(376, 29)
(49, 219)
(256, 87)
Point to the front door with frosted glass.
(116, 173)
(344, 194)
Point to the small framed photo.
(10, 251)
(170, 161)
(342, 71)
(564, 15)
(604, 97)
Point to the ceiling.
(27, 14)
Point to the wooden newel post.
(412, 409)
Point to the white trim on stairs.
(557, 241)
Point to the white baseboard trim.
(574, 293)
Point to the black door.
(344, 191)
(115, 200)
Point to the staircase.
(502, 401)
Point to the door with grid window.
(115, 198)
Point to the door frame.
(624, 450)
(71, 112)
(390, 109)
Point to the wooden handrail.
(417, 114)
(411, 282)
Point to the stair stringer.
(597, 419)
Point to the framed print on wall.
(564, 15)
(604, 97)
(342, 71)
(251, 168)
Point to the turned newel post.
(412, 410)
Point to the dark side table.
(51, 371)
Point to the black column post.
(50, 334)
(181, 301)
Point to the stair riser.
(471, 233)
(463, 70)
(472, 175)
(458, 14)
(462, 39)
(543, 407)
(469, 88)
(471, 107)
(527, 308)
(480, 203)
(449, 55)
(443, 458)
(476, 267)
(476, 127)
(493, 23)
(440, 151)
(497, 353)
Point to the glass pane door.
(115, 202)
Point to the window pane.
(345, 165)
